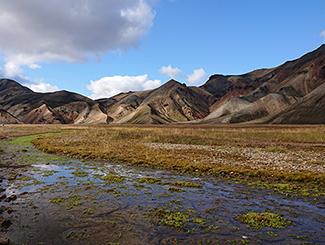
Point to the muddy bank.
(48, 199)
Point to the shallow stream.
(57, 200)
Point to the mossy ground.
(175, 219)
(113, 178)
(149, 180)
(130, 146)
(80, 173)
(175, 189)
(187, 184)
(185, 220)
(68, 202)
(261, 220)
(99, 197)
(48, 173)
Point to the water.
(56, 205)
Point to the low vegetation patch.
(187, 184)
(290, 155)
(175, 219)
(48, 173)
(113, 178)
(24, 178)
(80, 173)
(148, 180)
(69, 202)
(23, 140)
(175, 189)
(258, 221)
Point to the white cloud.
(170, 71)
(322, 34)
(109, 86)
(41, 87)
(197, 76)
(34, 31)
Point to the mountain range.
(292, 93)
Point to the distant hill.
(61, 107)
(290, 93)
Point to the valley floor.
(171, 184)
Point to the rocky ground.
(273, 158)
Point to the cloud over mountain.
(34, 31)
(322, 34)
(41, 87)
(108, 86)
(170, 71)
(198, 75)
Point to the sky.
(100, 48)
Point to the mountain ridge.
(293, 92)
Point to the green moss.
(24, 140)
(199, 221)
(114, 191)
(148, 180)
(266, 219)
(24, 178)
(175, 219)
(80, 173)
(292, 188)
(27, 140)
(48, 173)
(113, 178)
(175, 189)
(34, 157)
(187, 184)
(69, 202)
(57, 200)
(72, 201)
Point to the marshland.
(177, 184)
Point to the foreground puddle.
(64, 201)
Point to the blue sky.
(212, 36)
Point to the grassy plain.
(290, 159)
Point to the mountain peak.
(172, 81)
(11, 85)
(170, 85)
